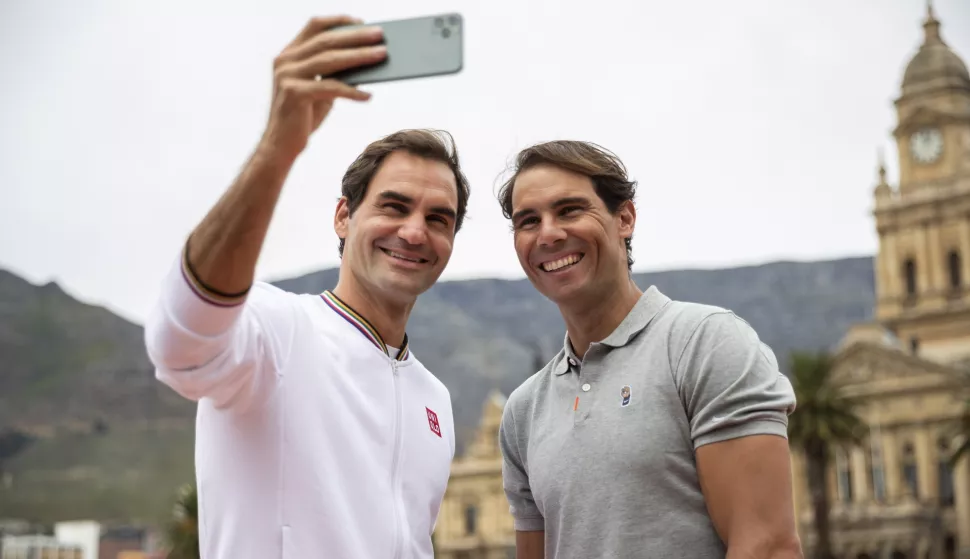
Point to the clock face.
(926, 145)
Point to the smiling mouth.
(561, 263)
(400, 256)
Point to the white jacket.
(311, 441)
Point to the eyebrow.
(572, 200)
(398, 197)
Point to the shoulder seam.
(693, 332)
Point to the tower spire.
(882, 166)
(882, 191)
(931, 26)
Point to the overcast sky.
(752, 126)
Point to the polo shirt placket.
(584, 382)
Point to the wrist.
(272, 155)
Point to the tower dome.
(935, 66)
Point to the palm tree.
(183, 529)
(824, 418)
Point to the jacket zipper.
(395, 464)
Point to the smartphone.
(416, 48)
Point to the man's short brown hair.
(436, 145)
(605, 170)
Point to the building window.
(471, 518)
(844, 476)
(910, 475)
(909, 276)
(953, 263)
(945, 474)
(876, 471)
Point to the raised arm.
(225, 246)
(528, 521)
(212, 334)
(738, 404)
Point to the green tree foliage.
(823, 419)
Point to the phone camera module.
(446, 32)
(453, 20)
(439, 22)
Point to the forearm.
(530, 545)
(761, 546)
(224, 248)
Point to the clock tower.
(923, 264)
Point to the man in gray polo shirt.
(660, 429)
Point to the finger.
(318, 90)
(319, 24)
(335, 39)
(332, 61)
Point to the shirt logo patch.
(433, 422)
(625, 395)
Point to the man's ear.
(627, 216)
(341, 217)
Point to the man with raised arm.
(319, 434)
(659, 429)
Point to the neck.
(595, 318)
(388, 316)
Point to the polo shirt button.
(572, 361)
(586, 387)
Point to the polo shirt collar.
(648, 305)
(563, 365)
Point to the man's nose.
(550, 233)
(414, 231)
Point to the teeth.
(561, 263)
(402, 257)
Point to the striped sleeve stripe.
(204, 292)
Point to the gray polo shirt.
(599, 452)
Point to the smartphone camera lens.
(438, 22)
(446, 32)
(453, 20)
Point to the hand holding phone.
(416, 48)
(302, 93)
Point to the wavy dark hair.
(603, 167)
(436, 145)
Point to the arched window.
(909, 276)
(953, 263)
